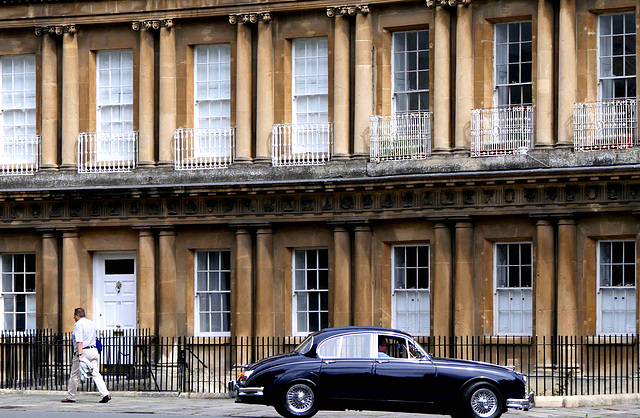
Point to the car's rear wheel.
(299, 399)
(482, 400)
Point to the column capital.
(55, 30)
(445, 3)
(264, 17)
(348, 10)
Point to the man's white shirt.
(84, 332)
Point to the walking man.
(84, 344)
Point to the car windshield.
(304, 346)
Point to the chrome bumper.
(236, 391)
(524, 404)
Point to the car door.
(346, 371)
(404, 373)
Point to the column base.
(49, 167)
(262, 160)
(341, 157)
(243, 160)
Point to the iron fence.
(135, 360)
(107, 152)
(197, 149)
(608, 124)
(501, 130)
(300, 144)
(403, 136)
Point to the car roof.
(330, 332)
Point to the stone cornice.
(348, 10)
(264, 17)
(433, 201)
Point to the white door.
(114, 284)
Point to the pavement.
(47, 403)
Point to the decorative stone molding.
(264, 17)
(348, 10)
(55, 30)
(151, 24)
(450, 3)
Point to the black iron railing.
(135, 360)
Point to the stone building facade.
(269, 168)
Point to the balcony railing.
(404, 136)
(107, 152)
(501, 130)
(19, 155)
(198, 149)
(302, 144)
(611, 124)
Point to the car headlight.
(243, 376)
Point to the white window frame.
(298, 292)
(422, 329)
(395, 88)
(496, 46)
(21, 103)
(207, 271)
(630, 328)
(601, 78)
(526, 325)
(30, 297)
(322, 63)
(212, 85)
(119, 93)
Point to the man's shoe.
(67, 400)
(105, 399)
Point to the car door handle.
(329, 361)
(382, 361)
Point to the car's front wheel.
(482, 400)
(299, 399)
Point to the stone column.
(362, 279)
(363, 84)
(442, 285)
(167, 281)
(167, 92)
(244, 99)
(242, 287)
(464, 76)
(146, 98)
(71, 297)
(544, 79)
(567, 278)
(442, 81)
(49, 102)
(341, 87)
(464, 295)
(264, 110)
(545, 283)
(50, 279)
(70, 99)
(264, 310)
(567, 71)
(146, 283)
(341, 291)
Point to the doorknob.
(118, 286)
(118, 325)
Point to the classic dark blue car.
(370, 368)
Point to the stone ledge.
(586, 400)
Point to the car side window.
(395, 347)
(347, 346)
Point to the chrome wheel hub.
(300, 398)
(484, 402)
